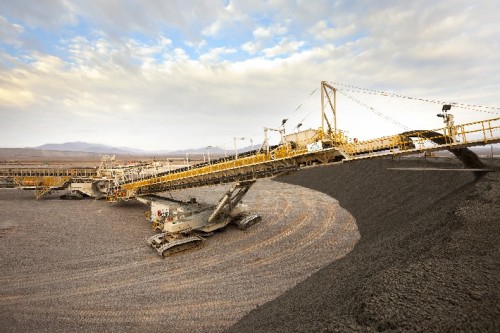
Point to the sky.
(168, 75)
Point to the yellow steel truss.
(41, 184)
(470, 134)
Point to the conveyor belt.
(268, 164)
(264, 165)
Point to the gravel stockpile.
(84, 265)
(428, 259)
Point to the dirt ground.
(68, 266)
(428, 259)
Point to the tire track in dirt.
(104, 282)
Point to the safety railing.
(474, 133)
(46, 172)
(37, 181)
(198, 171)
(413, 141)
(283, 152)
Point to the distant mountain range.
(89, 148)
(97, 148)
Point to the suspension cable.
(298, 108)
(378, 113)
(351, 88)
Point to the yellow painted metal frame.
(487, 131)
(46, 172)
(41, 184)
(259, 158)
(469, 134)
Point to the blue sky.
(186, 74)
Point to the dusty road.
(85, 266)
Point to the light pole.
(236, 149)
(448, 120)
(208, 153)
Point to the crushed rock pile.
(428, 258)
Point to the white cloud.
(141, 49)
(45, 14)
(48, 64)
(213, 29)
(231, 23)
(285, 46)
(15, 96)
(215, 54)
(323, 32)
(155, 92)
(251, 47)
(10, 32)
(180, 55)
(197, 45)
(269, 32)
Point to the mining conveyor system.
(183, 225)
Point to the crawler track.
(84, 265)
